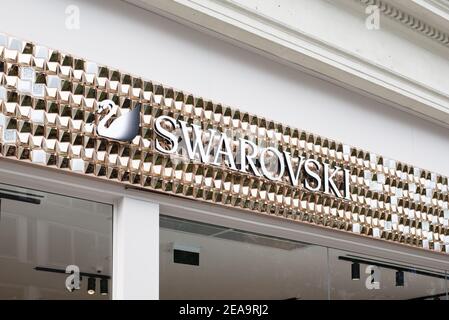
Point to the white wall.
(342, 24)
(136, 250)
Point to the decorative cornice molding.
(307, 52)
(441, 5)
(409, 20)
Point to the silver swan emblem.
(123, 128)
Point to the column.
(136, 249)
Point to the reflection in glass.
(234, 264)
(43, 233)
(382, 279)
(202, 261)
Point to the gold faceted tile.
(50, 104)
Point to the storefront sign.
(70, 114)
(249, 157)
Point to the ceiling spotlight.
(399, 278)
(104, 286)
(91, 285)
(355, 271)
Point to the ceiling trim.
(252, 30)
(436, 11)
(411, 21)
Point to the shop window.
(48, 242)
(203, 261)
(200, 261)
(355, 276)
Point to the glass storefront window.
(202, 261)
(41, 234)
(355, 276)
(199, 261)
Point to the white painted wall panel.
(136, 250)
(342, 23)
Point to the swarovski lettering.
(216, 148)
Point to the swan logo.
(122, 128)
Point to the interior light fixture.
(104, 286)
(393, 266)
(355, 271)
(91, 279)
(399, 278)
(20, 196)
(91, 285)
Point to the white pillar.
(136, 249)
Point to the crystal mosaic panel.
(49, 101)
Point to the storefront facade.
(267, 182)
